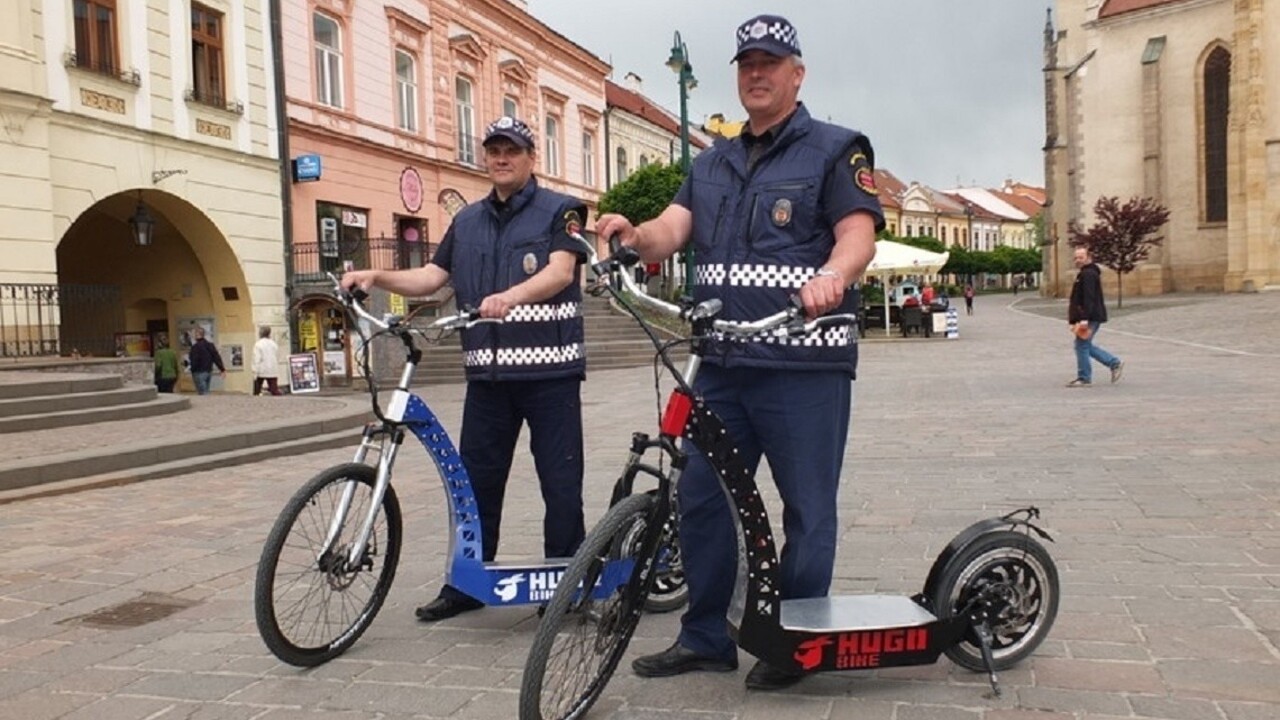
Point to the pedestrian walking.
(166, 367)
(266, 363)
(1086, 313)
(968, 299)
(203, 358)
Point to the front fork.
(374, 439)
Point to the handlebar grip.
(358, 295)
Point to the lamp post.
(680, 65)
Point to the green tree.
(1123, 235)
(644, 194)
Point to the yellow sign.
(396, 304)
(308, 333)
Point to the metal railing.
(312, 260)
(44, 320)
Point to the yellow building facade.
(139, 178)
(1177, 100)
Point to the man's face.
(768, 84)
(1081, 257)
(510, 166)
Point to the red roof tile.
(1119, 7)
(1024, 204)
(616, 96)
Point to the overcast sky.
(948, 90)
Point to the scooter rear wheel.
(1010, 577)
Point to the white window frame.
(329, 66)
(406, 92)
(552, 159)
(622, 165)
(588, 158)
(511, 107)
(465, 113)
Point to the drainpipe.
(286, 166)
(608, 153)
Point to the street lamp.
(142, 224)
(680, 65)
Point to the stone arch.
(188, 271)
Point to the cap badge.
(758, 30)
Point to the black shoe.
(764, 676)
(446, 607)
(676, 660)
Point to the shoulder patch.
(572, 223)
(863, 176)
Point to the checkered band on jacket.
(760, 233)
(492, 252)
(524, 356)
(834, 337)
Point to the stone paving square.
(1161, 492)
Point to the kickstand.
(984, 636)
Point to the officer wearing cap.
(510, 257)
(788, 208)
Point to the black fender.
(967, 536)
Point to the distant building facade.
(140, 190)
(1177, 100)
(389, 100)
(641, 132)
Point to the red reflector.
(676, 415)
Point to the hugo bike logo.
(863, 649)
(542, 585)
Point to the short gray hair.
(264, 331)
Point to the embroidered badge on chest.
(781, 212)
(530, 263)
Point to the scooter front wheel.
(310, 602)
(589, 621)
(1007, 580)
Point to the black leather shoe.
(446, 607)
(764, 676)
(676, 660)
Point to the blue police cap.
(770, 33)
(511, 129)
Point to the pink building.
(386, 103)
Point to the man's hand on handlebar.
(612, 225)
(363, 280)
(822, 294)
(496, 306)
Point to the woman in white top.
(265, 362)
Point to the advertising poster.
(235, 357)
(304, 376)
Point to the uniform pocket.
(783, 216)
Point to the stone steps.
(41, 401)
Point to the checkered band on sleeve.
(525, 356)
(543, 313)
(840, 336)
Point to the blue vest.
(495, 250)
(760, 235)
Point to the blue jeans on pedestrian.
(202, 382)
(1086, 349)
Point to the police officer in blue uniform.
(788, 208)
(510, 257)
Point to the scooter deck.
(852, 613)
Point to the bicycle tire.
(612, 619)
(314, 583)
(1019, 574)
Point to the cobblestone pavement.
(1161, 492)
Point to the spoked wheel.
(669, 591)
(580, 640)
(311, 603)
(1010, 577)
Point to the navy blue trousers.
(799, 421)
(491, 420)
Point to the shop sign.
(411, 189)
(306, 168)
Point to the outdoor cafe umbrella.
(897, 259)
